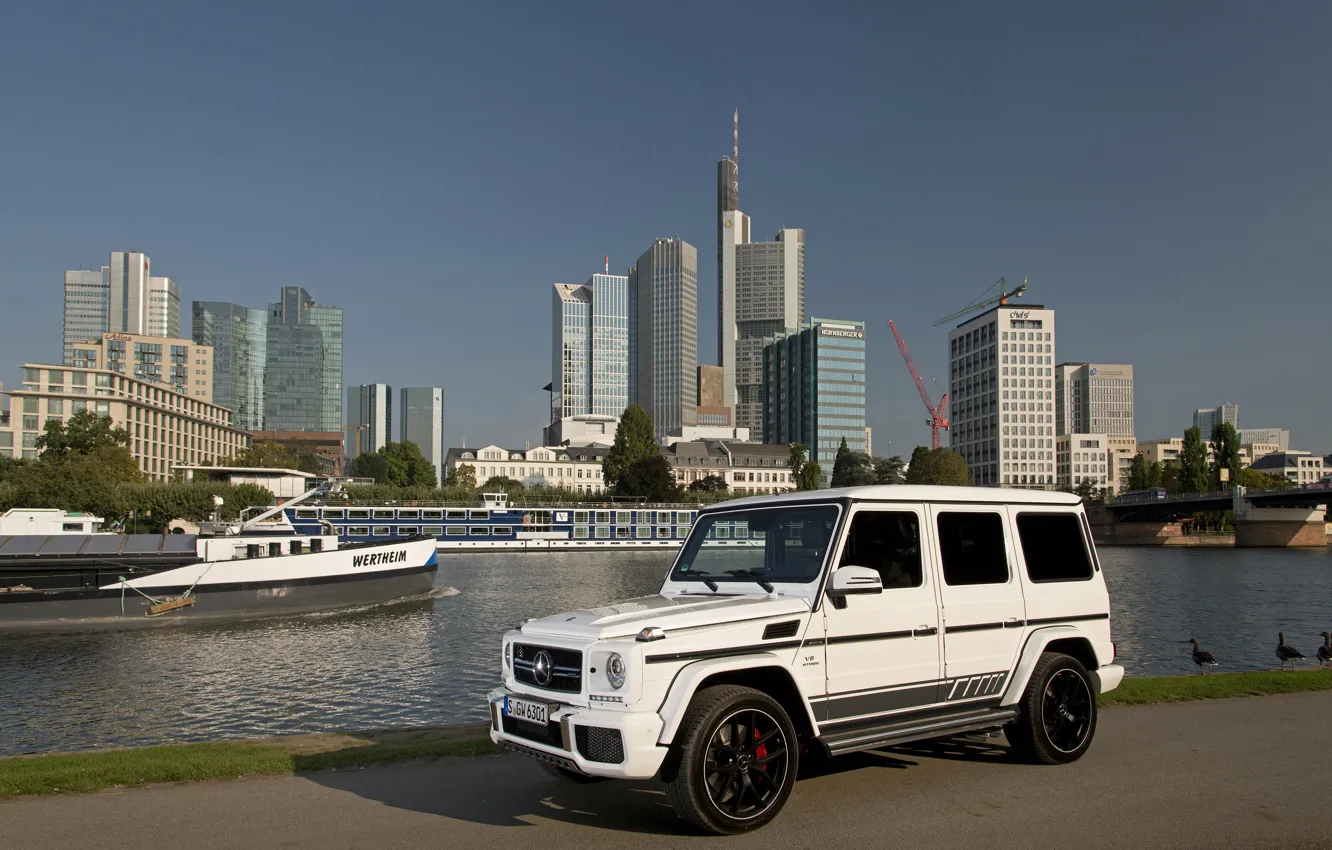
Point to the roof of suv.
(913, 493)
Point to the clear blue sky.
(1160, 172)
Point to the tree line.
(1194, 472)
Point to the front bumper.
(589, 751)
(1108, 677)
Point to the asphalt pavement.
(1226, 773)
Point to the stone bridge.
(1292, 516)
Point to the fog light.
(615, 671)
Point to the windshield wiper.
(750, 574)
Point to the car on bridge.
(816, 624)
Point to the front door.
(983, 607)
(883, 650)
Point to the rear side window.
(971, 547)
(1053, 547)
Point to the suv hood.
(628, 618)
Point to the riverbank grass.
(95, 771)
(1216, 686)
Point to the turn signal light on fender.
(651, 633)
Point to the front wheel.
(1058, 712)
(738, 758)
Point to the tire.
(1057, 717)
(564, 774)
(727, 789)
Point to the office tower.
(369, 419)
(814, 383)
(181, 365)
(590, 348)
(162, 316)
(239, 338)
(1094, 398)
(129, 288)
(1207, 418)
(1279, 437)
(1001, 385)
(421, 412)
(710, 410)
(303, 364)
(87, 308)
(663, 333)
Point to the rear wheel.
(1058, 712)
(738, 757)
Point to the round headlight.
(508, 656)
(615, 671)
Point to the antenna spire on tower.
(735, 150)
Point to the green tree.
(1253, 479)
(86, 432)
(501, 484)
(949, 468)
(1139, 472)
(462, 475)
(708, 484)
(841, 465)
(1155, 474)
(804, 473)
(852, 469)
(888, 470)
(1170, 477)
(397, 464)
(268, 454)
(1192, 462)
(918, 469)
(649, 478)
(1225, 453)
(634, 441)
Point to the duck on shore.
(1325, 651)
(1204, 659)
(1287, 653)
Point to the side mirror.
(849, 581)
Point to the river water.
(431, 660)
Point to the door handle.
(1012, 623)
(925, 631)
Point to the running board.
(902, 732)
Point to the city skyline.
(1111, 184)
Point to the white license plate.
(534, 712)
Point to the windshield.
(772, 544)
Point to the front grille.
(599, 744)
(566, 667)
(548, 734)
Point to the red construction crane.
(938, 413)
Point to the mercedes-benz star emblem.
(542, 668)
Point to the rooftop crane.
(938, 413)
(1004, 295)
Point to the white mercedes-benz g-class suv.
(822, 623)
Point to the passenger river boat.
(495, 525)
(256, 568)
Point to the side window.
(889, 542)
(1053, 547)
(971, 546)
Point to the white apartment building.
(1001, 391)
(1084, 459)
(575, 467)
(1297, 467)
(166, 428)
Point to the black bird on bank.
(1204, 659)
(1325, 651)
(1287, 653)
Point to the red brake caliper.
(761, 751)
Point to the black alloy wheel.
(1066, 710)
(746, 763)
(734, 761)
(1057, 713)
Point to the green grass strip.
(1216, 686)
(83, 772)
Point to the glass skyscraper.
(663, 334)
(590, 348)
(814, 389)
(239, 337)
(87, 308)
(422, 415)
(303, 366)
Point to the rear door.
(883, 650)
(983, 607)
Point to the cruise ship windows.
(432, 530)
(502, 531)
(663, 530)
(382, 513)
(580, 532)
(358, 531)
(481, 515)
(408, 530)
(307, 513)
(642, 531)
(381, 531)
(358, 513)
(333, 513)
(455, 531)
(603, 531)
(409, 514)
(455, 515)
(432, 514)
(478, 531)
